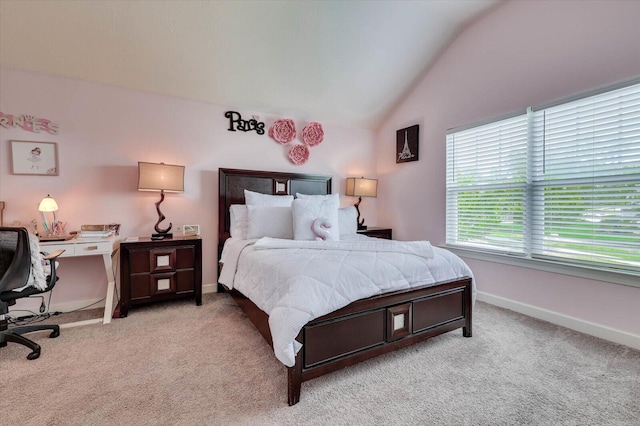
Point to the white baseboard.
(593, 329)
(99, 303)
(209, 288)
(77, 305)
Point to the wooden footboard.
(370, 327)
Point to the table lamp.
(164, 178)
(361, 187)
(49, 205)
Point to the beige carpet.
(179, 364)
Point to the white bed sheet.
(295, 285)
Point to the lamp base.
(161, 236)
(362, 227)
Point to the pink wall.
(105, 131)
(522, 53)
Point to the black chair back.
(15, 258)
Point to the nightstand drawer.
(146, 286)
(162, 260)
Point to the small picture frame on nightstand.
(191, 230)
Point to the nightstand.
(377, 232)
(159, 270)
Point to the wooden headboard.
(233, 182)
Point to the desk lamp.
(49, 205)
(160, 177)
(361, 187)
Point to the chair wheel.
(54, 333)
(33, 355)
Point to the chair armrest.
(53, 277)
(54, 255)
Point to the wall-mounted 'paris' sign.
(407, 144)
(236, 123)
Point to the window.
(559, 182)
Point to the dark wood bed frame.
(365, 328)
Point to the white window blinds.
(561, 182)
(586, 179)
(486, 177)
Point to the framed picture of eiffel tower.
(407, 144)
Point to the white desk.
(90, 247)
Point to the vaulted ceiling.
(344, 62)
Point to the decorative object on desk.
(34, 158)
(94, 227)
(407, 144)
(54, 230)
(191, 230)
(95, 231)
(160, 177)
(115, 228)
(361, 187)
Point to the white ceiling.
(344, 62)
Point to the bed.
(362, 329)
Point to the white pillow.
(267, 221)
(318, 197)
(238, 225)
(348, 220)
(307, 209)
(347, 216)
(257, 199)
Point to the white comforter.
(295, 283)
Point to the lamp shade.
(160, 177)
(48, 204)
(362, 187)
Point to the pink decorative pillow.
(321, 228)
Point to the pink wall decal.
(29, 123)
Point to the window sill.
(593, 273)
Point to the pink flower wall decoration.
(283, 130)
(312, 134)
(299, 154)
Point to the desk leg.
(111, 287)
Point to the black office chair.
(15, 264)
